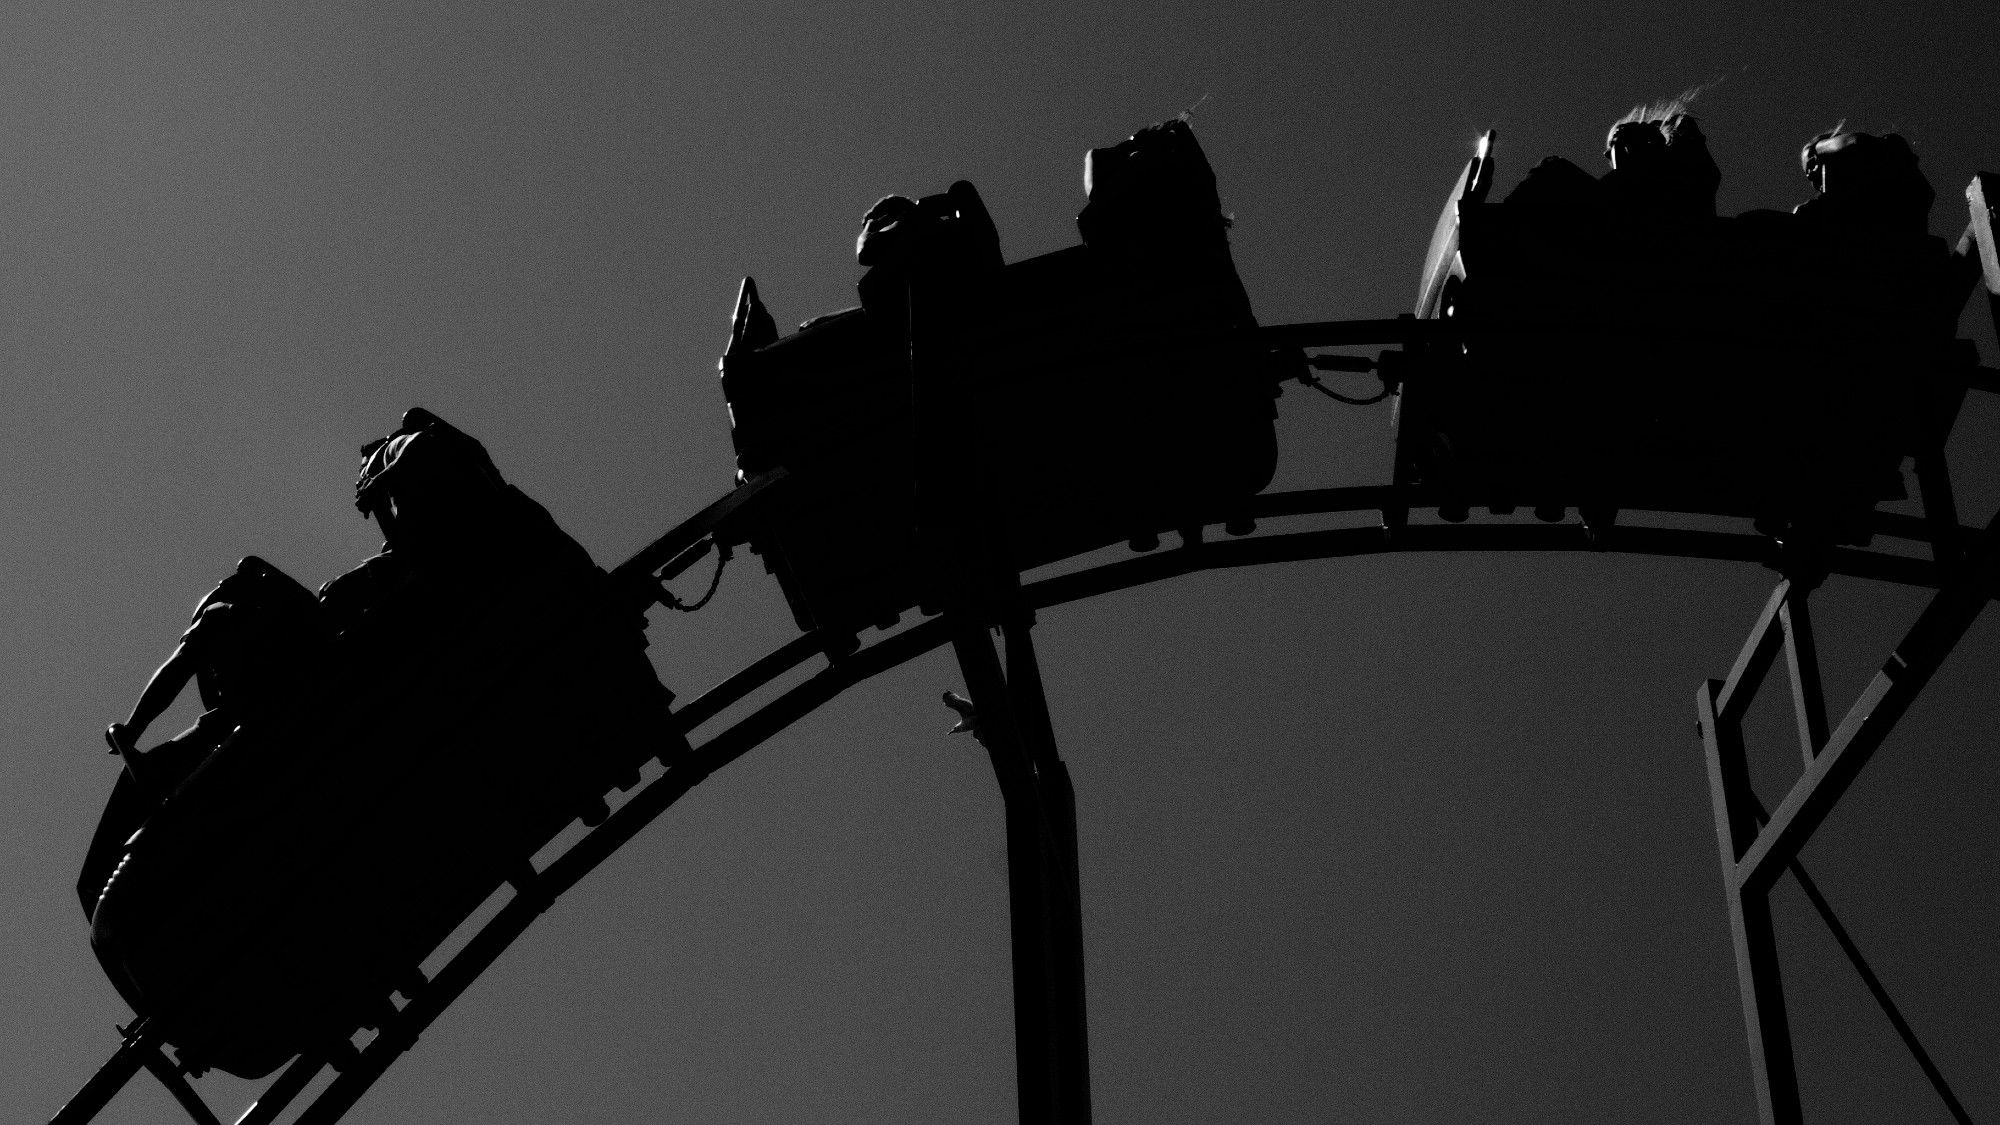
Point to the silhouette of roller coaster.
(974, 420)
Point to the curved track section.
(358, 1070)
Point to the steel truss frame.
(1014, 725)
(1756, 846)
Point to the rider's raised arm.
(158, 694)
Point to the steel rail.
(1350, 542)
(538, 894)
(359, 1072)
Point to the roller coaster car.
(1766, 365)
(304, 871)
(1095, 394)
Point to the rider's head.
(426, 484)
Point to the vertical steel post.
(1060, 867)
(1802, 661)
(1757, 976)
(1051, 1039)
(1035, 1061)
(1043, 890)
(1755, 847)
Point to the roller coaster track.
(358, 1070)
(906, 644)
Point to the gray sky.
(1414, 839)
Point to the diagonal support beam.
(1758, 980)
(1888, 696)
(1754, 847)
(141, 1040)
(1802, 661)
(1876, 989)
(1733, 694)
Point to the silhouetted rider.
(255, 642)
(1866, 181)
(442, 506)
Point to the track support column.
(1756, 847)
(1052, 1057)
(1757, 976)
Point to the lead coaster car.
(308, 867)
(1046, 407)
(1763, 365)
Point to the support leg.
(1757, 976)
(1802, 661)
(1026, 906)
(1051, 1051)
(1061, 871)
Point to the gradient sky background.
(1403, 839)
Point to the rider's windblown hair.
(1660, 162)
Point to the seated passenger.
(1152, 203)
(1558, 185)
(256, 642)
(1660, 165)
(947, 238)
(442, 506)
(1866, 181)
(1660, 169)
